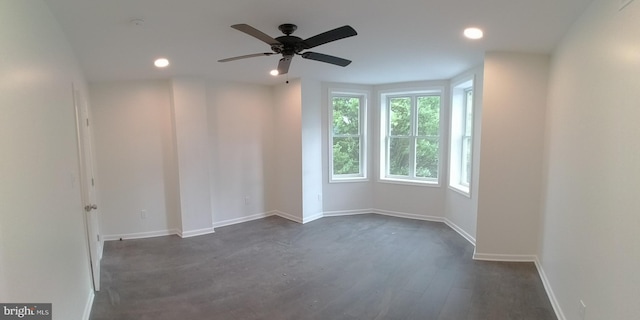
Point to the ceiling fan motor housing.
(287, 28)
(289, 45)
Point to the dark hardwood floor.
(354, 267)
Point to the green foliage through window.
(346, 135)
(413, 136)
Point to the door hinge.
(92, 183)
(87, 122)
(98, 238)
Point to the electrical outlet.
(582, 310)
(143, 214)
(246, 200)
(319, 197)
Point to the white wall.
(288, 148)
(240, 133)
(462, 210)
(142, 173)
(43, 245)
(311, 119)
(590, 227)
(136, 167)
(513, 118)
(191, 135)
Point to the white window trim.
(465, 104)
(458, 113)
(364, 100)
(384, 113)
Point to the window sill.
(348, 180)
(463, 190)
(419, 183)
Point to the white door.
(87, 183)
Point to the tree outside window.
(413, 136)
(347, 138)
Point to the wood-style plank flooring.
(353, 267)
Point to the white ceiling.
(398, 40)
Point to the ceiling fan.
(289, 45)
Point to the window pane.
(426, 158)
(346, 115)
(468, 125)
(465, 174)
(400, 116)
(399, 156)
(428, 115)
(346, 155)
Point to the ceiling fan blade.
(256, 33)
(283, 65)
(326, 58)
(246, 56)
(331, 35)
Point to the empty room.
(319, 159)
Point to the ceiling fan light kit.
(289, 46)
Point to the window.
(467, 131)
(347, 135)
(461, 136)
(411, 134)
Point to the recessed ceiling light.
(473, 33)
(274, 72)
(161, 63)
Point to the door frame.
(87, 185)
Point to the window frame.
(458, 123)
(363, 96)
(464, 172)
(384, 142)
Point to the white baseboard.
(346, 212)
(229, 222)
(312, 218)
(460, 231)
(140, 235)
(159, 233)
(503, 257)
(407, 215)
(547, 287)
(194, 233)
(383, 213)
(287, 216)
(87, 307)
